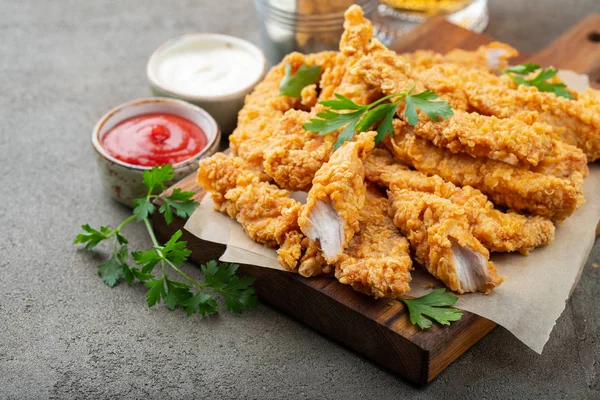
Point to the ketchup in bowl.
(154, 139)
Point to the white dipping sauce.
(208, 68)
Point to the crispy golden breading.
(468, 89)
(496, 230)
(514, 187)
(312, 262)
(264, 107)
(331, 213)
(506, 142)
(377, 261)
(268, 214)
(518, 141)
(439, 234)
(295, 154)
(573, 121)
(509, 140)
(490, 57)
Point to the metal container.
(307, 26)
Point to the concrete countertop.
(67, 335)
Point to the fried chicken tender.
(471, 89)
(573, 120)
(264, 107)
(295, 154)
(496, 230)
(377, 261)
(509, 140)
(439, 234)
(518, 141)
(514, 187)
(330, 217)
(268, 214)
(490, 57)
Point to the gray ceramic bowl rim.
(155, 82)
(97, 144)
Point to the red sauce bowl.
(122, 180)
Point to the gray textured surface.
(66, 335)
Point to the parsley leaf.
(201, 303)
(122, 256)
(179, 201)
(363, 118)
(178, 294)
(91, 237)
(236, 290)
(522, 69)
(110, 272)
(434, 305)
(156, 292)
(156, 178)
(176, 251)
(292, 85)
(191, 295)
(539, 81)
(436, 110)
(148, 259)
(143, 208)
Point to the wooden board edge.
(415, 355)
(582, 57)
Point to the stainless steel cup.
(307, 26)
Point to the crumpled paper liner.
(529, 301)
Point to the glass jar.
(307, 26)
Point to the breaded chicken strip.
(295, 154)
(264, 107)
(490, 57)
(471, 89)
(331, 213)
(377, 261)
(573, 120)
(268, 214)
(439, 234)
(509, 140)
(518, 141)
(514, 187)
(496, 230)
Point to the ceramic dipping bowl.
(223, 104)
(123, 181)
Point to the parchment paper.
(528, 302)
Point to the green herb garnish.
(292, 85)
(435, 305)
(362, 118)
(151, 264)
(517, 72)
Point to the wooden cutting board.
(380, 329)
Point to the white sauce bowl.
(123, 181)
(213, 71)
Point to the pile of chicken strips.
(441, 194)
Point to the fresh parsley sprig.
(361, 118)
(292, 85)
(151, 264)
(435, 305)
(518, 72)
